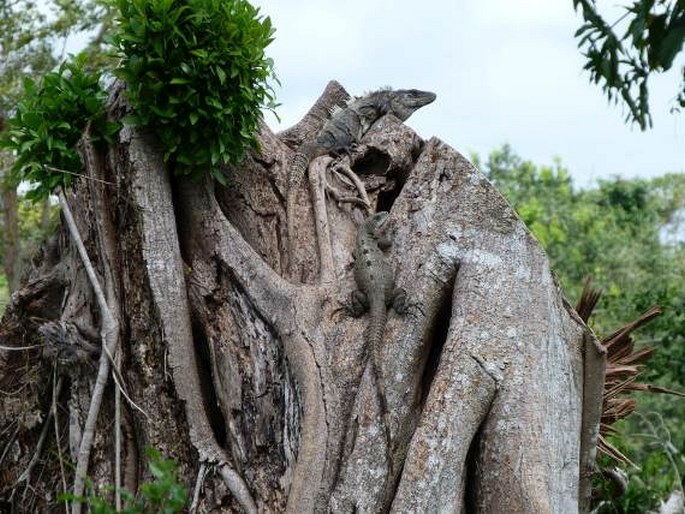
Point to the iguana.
(345, 128)
(376, 293)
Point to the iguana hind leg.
(398, 301)
(357, 305)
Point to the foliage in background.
(616, 233)
(33, 36)
(48, 122)
(25, 47)
(36, 222)
(659, 473)
(165, 494)
(654, 35)
(4, 293)
(197, 76)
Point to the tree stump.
(259, 378)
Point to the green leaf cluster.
(164, 495)
(654, 34)
(48, 122)
(197, 76)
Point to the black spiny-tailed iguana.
(376, 292)
(345, 128)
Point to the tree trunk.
(10, 225)
(10, 220)
(264, 380)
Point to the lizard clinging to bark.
(345, 128)
(376, 293)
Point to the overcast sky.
(503, 70)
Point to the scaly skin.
(376, 283)
(345, 128)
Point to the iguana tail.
(373, 335)
(297, 170)
(378, 316)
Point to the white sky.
(503, 70)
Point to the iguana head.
(376, 223)
(403, 102)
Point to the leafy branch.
(48, 122)
(622, 64)
(197, 77)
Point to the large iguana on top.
(346, 127)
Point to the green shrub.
(197, 76)
(165, 494)
(48, 123)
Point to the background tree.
(653, 35)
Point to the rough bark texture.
(10, 221)
(264, 380)
(10, 229)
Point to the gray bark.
(264, 381)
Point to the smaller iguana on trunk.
(376, 293)
(345, 128)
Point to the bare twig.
(26, 475)
(339, 197)
(198, 487)
(20, 348)
(10, 441)
(109, 333)
(57, 386)
(663, 439)
(344, 168)
(60, 170)
(117, 441)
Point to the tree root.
(343, 167)
(323, 236)
(56, 387)
(117, 441)
(165, 270)
(287, 311)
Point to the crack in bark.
(496, 378)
